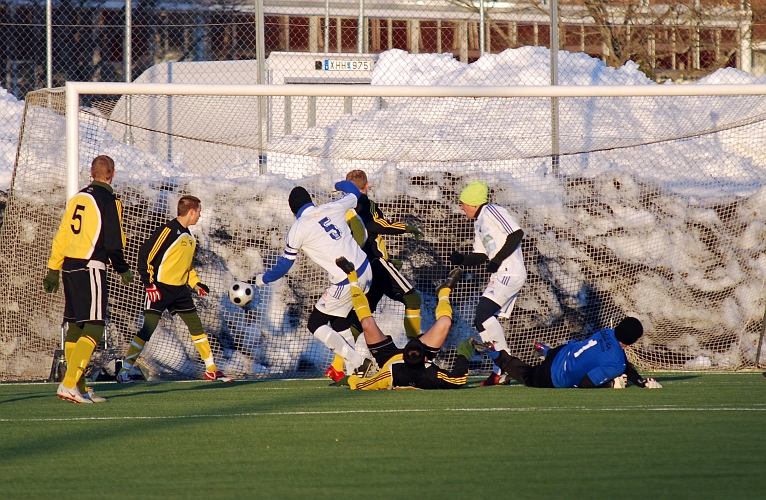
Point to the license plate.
(336, 65)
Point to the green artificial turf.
(701, 436)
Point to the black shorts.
(85, 291)
(383, 351)
(175, 299)
(388, 281)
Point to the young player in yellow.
(409, 368)
(90, 237)
(165, 266)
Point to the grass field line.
(384, 411)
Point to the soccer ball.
(240, 293)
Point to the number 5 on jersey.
(330, 228)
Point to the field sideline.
(701, 436)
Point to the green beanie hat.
(474, 194)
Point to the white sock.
(340, 346)
(493, 332)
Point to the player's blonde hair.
(102, 168)
(358, 177)
(186, 203)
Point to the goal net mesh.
(654, 208)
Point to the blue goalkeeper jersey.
(600, 357)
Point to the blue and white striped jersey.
(323, 234)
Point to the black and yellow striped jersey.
(91, 229)
(377, 225)
(166, 257)
(396, 374)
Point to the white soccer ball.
(240, 293)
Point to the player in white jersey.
(497, 236)
(323, 235)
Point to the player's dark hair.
(414, 353)
(628, 331)
(101, 168)
(358, 177)
(298, 198)
(186, 203)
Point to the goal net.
(653, 207)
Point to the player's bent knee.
(485, 310)
(193, 322)
(316, 319)
(412, 300)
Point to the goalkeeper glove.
(415, 231)
(396, 263)
(651, 383)
(202, 289)
(127, 277)
(456, 258)
(259, 280)
(51, 281)
(492, 267)
(465, 349)
(153, 293)
(348, 187)
(620, 382)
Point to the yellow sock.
(337, 363)
(68, 349)
(443, 308)
(203, 346)
(136, 346)
(78, 361)
(412, 323)
(361, 305)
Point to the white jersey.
(491, 228)
(322, 233)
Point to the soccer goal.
(644, 201)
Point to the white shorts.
(504, 290)
(336, 300)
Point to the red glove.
(202, 289)
(153, 293)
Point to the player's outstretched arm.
(636, 379)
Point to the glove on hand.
(127, 277)
(465, 349)
(51, 281)
(259, 280)
(456, 258)
(348, 187)
(202, 289)
(396, 263)
(620, 382)
(153, 293)
(652, 384)
(415, 231)
(492, 267)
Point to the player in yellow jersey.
(90, 237)
(165, 266)
(411, 367)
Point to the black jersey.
(377, 225)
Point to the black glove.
(456, 258)
(492, 267)
(202, 289)
(51, 281)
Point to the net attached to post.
(653, 208)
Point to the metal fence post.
(260, 54)
(128, 64)
(554, 81)
(49, 43)
(360, 29)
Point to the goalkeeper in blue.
(411, 367)
(596, 362)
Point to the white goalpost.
(654, 209)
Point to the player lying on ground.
(323, 235)
(497, 237)
(165, 266)
(409, 368)
(598, 361)
(90, 237)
